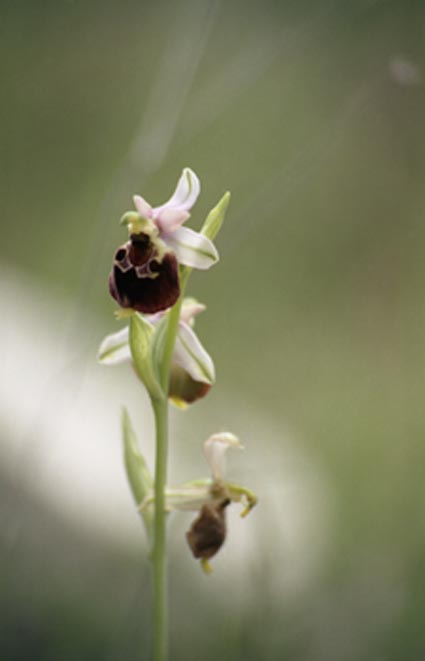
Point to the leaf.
(140, 337)
(138, 474)
(214, 220)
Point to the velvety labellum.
(143, 276)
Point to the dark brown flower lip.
(208, 532)
(144, 276)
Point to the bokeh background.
(312, 114)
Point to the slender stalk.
(159, 550)
(159, 557)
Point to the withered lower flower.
(144, 274)
(210, 497)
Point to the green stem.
(159, 557)
(159, 551)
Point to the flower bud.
(144, 275)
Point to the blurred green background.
(311, 113)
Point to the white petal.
(156, 317)
(170, 219)
(192, 357)
(143, 207)
(186, 193)
(115, 348)
(192, 248)
(189, 496)
(190, 308)
(215, 449)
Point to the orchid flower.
(209, 496)
(192, 371)
(191, 248)
(145, 274)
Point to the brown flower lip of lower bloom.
(142, 278)
(208, 532)
(184, 388)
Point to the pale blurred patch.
(61, 437)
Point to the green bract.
(138, 474)
(158, 341)
(141, 340)
(214, 220)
